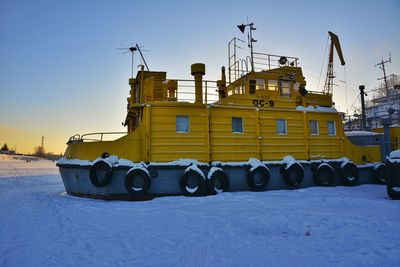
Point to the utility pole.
(382, 67)
(363, 117)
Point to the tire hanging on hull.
(293, 174)
(393, 181)
(100, 174)
(258, 178)
(380, 173)
(193, 183)
(324, 175)
(349, 173)
(137, 181)
(218, 181)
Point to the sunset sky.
(61, 74)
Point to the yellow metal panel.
(169, 145)
(361, 154)
(128, 147)
(228, 146)
(323, 145)
(275, 146)
(394, 136)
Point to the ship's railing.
(186, 91)
(239, 64)
(95, 137)
(262, 62)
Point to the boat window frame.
(241, 125)
(296, 86)
(316, 127)
(285, 128)
(187, 121)
(260, 84)
(281, 88)
(334, 128)
(272, 83)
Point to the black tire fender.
(218, 178)
(293, 174)
(393, 180)
(188, 176)
(137, 181)
(324, 175)
(98, 178)
(349, 173)
(380, 173)
(258, 178)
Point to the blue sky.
(61, 74)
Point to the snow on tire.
(293, 174)
(258, 178)
(137, 181)
(218, 181)
(324, 175)
(349, 173)
(193, 182)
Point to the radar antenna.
(133, 49)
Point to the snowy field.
(342, 226)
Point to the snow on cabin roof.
(317, 109)
(361, 133)
(395, 154)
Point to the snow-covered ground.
(12, 166)
(340, 226)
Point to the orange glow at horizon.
(25, 141)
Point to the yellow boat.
(262, 130)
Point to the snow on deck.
(395, 154)
(40, 225)
(360, 133)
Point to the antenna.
(250, 38)
(133, 49)
(144, 61)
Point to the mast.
(242, 27)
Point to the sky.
(61, 74)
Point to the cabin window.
(272, 85)
(285, 88)
(281, 126)
(237, 125)
(260, 84)
(331, 128)
(182, 124)
(237, 90)
(252, 85)
(296, 86)
(314, 127)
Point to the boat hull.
(166, 179)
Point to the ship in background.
(383, 110)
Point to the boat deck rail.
(186, 91)
(93, 137)
(239, 64)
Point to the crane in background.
(328, 88)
